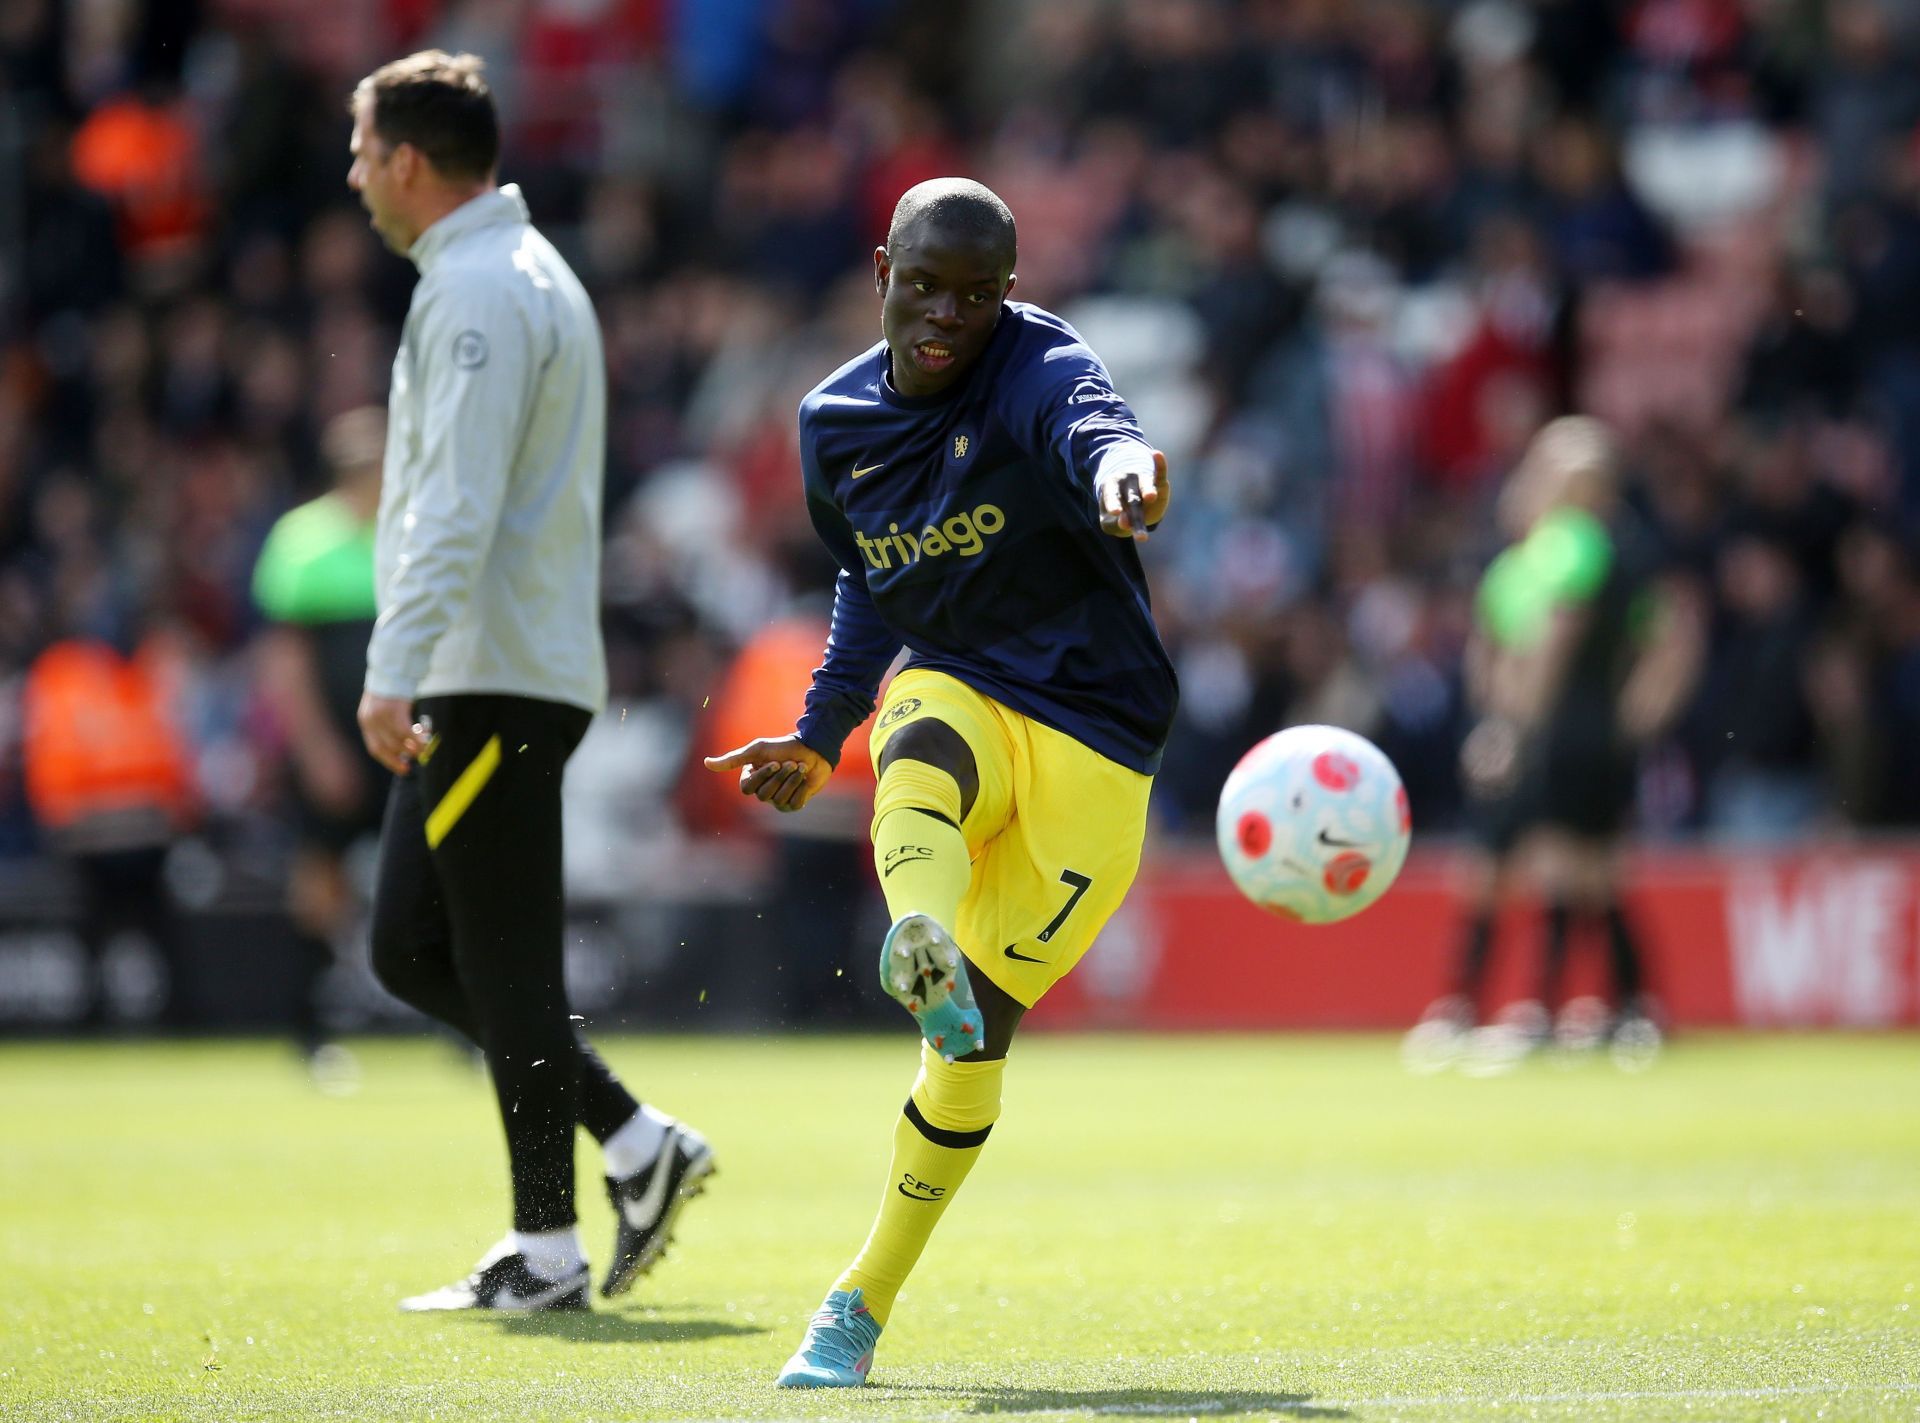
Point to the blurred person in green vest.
(1582, 654)
(314, 586)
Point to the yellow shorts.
(1054, 833)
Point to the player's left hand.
(1130, 505)
(393, 737)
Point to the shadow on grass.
(1130, 1402)
(595, 1327)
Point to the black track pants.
(468, 927)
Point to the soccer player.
(486, 666)
(981, 485)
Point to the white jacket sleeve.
(473, 361)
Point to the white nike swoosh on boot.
(644, 1212)
(508, 1299)
(460, 1296)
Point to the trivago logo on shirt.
(965, 534)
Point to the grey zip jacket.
(487, 551)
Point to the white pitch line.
(1199, 1403)
(1676, 1395)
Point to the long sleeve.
(859, 649)
(472, 358)
(860, 645)
(1072, 412)
(967, 529)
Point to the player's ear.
(1007, 291)
(882, 269)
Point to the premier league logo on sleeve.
(470, 350)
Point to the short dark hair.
(958, 208)
(439, 103)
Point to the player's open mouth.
(933, 356)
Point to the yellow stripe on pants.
(462, 793)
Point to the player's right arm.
(787, 771)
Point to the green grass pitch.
(1182, 1227)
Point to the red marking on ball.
(1401, 804)
(1347, 871)
(1283, 912)
(1255, 834)
(1336, 772)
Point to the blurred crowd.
(1344, 257)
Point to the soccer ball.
(1313, 824)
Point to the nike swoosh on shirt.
(869, 469)
(1012, 953)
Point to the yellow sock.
(923, 865)
(918, 853)
(940, 1133)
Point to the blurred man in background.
(1497, 816)
(486, 666)
(1620, 652)
(314, 585)
(1591, 656)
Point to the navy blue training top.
(966, 528)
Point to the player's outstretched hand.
(1131, 504)
(783, 771)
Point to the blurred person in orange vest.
(139, 151)
(820, 867)
(108, 779)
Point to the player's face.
(377, 175)
(939, 300)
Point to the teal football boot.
(838, 1349)
(923, 970)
